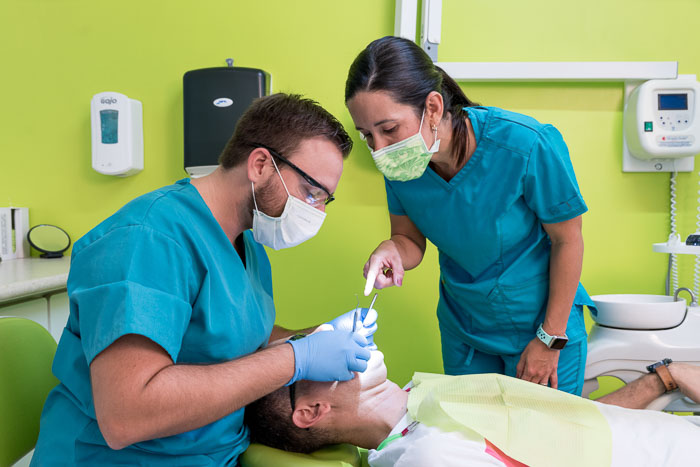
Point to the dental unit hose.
(696, 269)
(672, 274)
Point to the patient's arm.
(636, 395)
(641, 392)
(688, 379)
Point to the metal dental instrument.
(374, 299)
(358, 310)
(354, 317)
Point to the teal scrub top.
(487, 225)
(163, 268)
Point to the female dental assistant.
(496, 193)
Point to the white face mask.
(407, 159)
(299, 222)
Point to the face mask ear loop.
(420, 131)
(252, 187)
(278, 173)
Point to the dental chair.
(340, 455)
(26, 355)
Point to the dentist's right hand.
(329, 356)
(366, 326)
(384, 267)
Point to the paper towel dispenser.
(214, 99)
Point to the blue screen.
(673, 101)
(109, 123)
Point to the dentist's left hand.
(366, 326)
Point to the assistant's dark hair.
(282, 121)
(402, 69)
(269, 420)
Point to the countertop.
(21, 279)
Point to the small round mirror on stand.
(49, 240)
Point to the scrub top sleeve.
(133, 280)
(392, 200)
(550, 188)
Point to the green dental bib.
(533, 424)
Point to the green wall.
(56, 54)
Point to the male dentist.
(171, 303)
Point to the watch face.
(558, 343)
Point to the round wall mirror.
(49, 240)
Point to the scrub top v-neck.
(486, 222)
(163, 268)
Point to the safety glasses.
(292, 395)
(316, 198)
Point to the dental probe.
(354, 317)
(359, 310)
(374, 299)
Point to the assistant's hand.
(329, 356)
(384, 267)
(366, 325)
(538, 363)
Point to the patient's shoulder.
(432, 446)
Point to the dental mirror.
(48, 239)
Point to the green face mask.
(407, 159)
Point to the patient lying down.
(479, 420)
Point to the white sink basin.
(628, 311)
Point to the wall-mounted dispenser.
(117, 134)
(214, 99)
(661, 126)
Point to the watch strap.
(548, 339)
(543, 336)
(661, 369)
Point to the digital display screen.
(673, 101)
(109, 125)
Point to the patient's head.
(271, 420)
(309, 414)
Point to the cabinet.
(51, 313)
(36, 310)
(24, 462)
(35, 288)
(58, 314)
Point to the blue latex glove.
(329, 356)
(366, 327)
